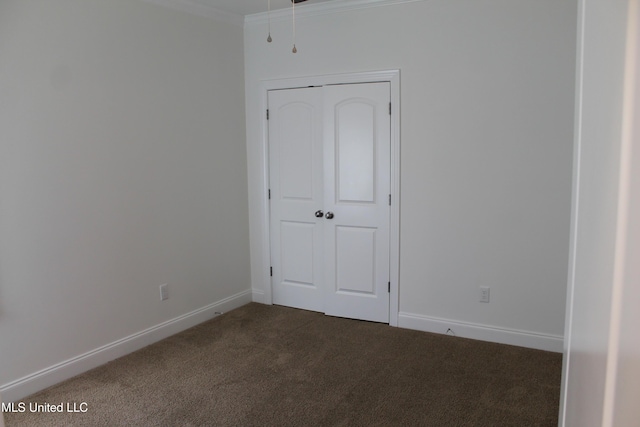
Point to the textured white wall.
(122, 167)
(602, 355)
(487, 90)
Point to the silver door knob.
(319, 214)
(329, 215)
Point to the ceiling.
(249, 7)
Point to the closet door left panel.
(296, 187)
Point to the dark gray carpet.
(274, 366)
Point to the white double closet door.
(330, 190)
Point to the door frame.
(391, 76)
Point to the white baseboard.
(475, 331)
(258, 296)
(40, 380)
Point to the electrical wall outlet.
(484, 293)
(164, 292)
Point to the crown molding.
(309, 10)
(195, 8)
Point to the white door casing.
(344, 173)
(261, 242)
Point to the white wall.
(601, 375)
(122, 167)
(487, 91)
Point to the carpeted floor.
(275, 366)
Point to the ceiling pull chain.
(269, 39)
(293, 13)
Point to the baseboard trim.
(52, 375)
(258, 295)
(475, 331)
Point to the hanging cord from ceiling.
(293, 14)
(269, 39)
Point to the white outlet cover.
(164, 294)
(484, 293)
